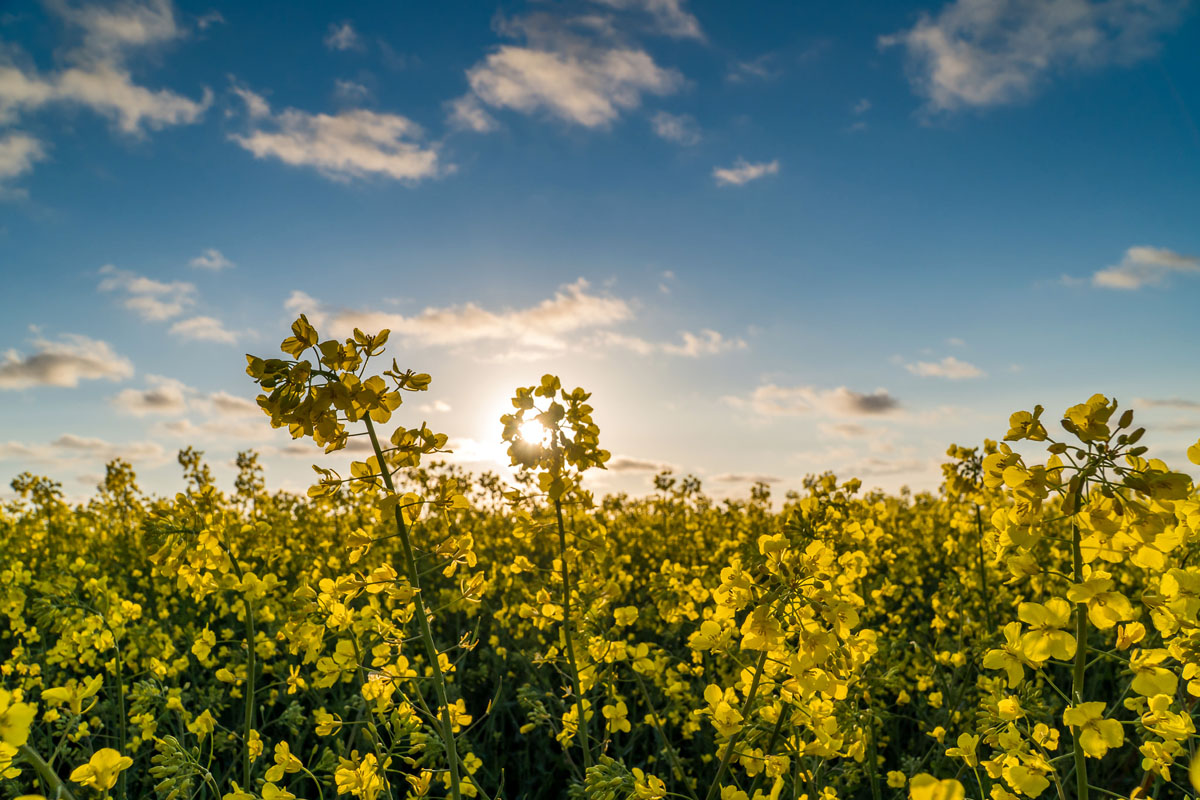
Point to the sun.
(534, 432)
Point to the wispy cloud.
(742, 172)
(630, 464)
(678, 128)
(1179, 403)
(745, 477)
(203, 329)
(692, 345)
(165, 396)
(74, 449)
(150, 299)
(949, 368)
(573, 308)
(668, 17)
(355, 143)
(96, 74)
(212, 259)
(18, 153)
(1145, 266)
(977, 54)
(466, 113)
(771, 400)
(342, 36)
(578, 70)
(63, 362)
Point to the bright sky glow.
(770, 242)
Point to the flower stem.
(1081, 649)
(584, 740)
(414, 580)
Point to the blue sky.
(772, 239)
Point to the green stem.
(983, 582)
(568, 637)
(251, 667)
(54, 785)
(679, 771)
(1081, 648)
(410, 563)
(733, 740)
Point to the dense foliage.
(410, 630)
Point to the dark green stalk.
(983, 582)
(1081, 648)
(410, 563)
(584, 740)
(733, 740)
(54, 785)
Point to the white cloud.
(63, 363)
(763, 68)
(18, 153)
(467, 114)
(70, 448)
(669, 16)
(436, 407)
(574, 307)
(350, 92)
(355, 143)
(151, 299)
(209, 19)
(630, 464)
(693, 345)
(949, 367)
(165, 396)
(844, 430)
(1145, 266)
(203, 329)
(990, 52)
(213, 259)
(862, 106)
(97, 76)
(228, 405)
(586, 79)
(678, 128)
(771, 400)
(706, 343)
(343, 37)
(742, 172)
(745, 477)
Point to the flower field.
(408, 630)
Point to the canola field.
(408, 630)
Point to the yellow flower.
(1096, 734)
(626, 615)
(615, 714)
(254, 746)
(647, 787)
(896, 779)
(966, 749)
(285, 763)
(272, 792)
(16, 718)
(102, 769)
(1149, 676)
(1009, 708)
(73, 694)
(1010, 657)
(1024, 779)
(924, 786)
(202, 725)
(1045, 639)
(361, 780)
(1105, 607)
